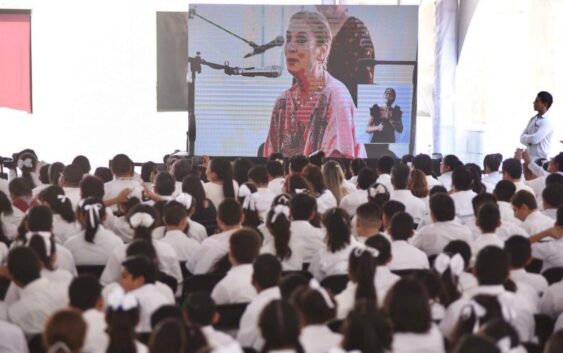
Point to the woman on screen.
(317, 111)
(385, 120)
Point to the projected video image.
(298, 79)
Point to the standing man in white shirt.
(538, 132)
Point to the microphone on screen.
(267, 71)
(277, 42)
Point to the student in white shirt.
(389, 209)
(85, 295)
(65, 331)
(423, 162)
(526, 210)
(332, 259)
(264, 197)
(418, 186)
(367, 221)
(70, 182)
(122, 169)
(520, 251)
(503, 191)
(120, 224)
(432, 238)
(549, 251)
(164, 188)
(280, 242)
(316, 308)
(383, 279)
(221, 184)
(405, 256)
(275, 176)
(94, 244)
(325, 197)
(12, 339)
(180, 169)
(413, 205)
(449, 268)
(205, 212)
(462, 194)
(512, 171)
(408, 308)
(447, 166)
(92, 186)
(488, 220)
(279, 327)
(265, 279)
(176, 220)
(303, 208)
(335, 181)
(366, 177)
(64, 219)
(10, 217)
(466, 280)
(384, 166)
(552, 197)
(200, 310)
(491, 165)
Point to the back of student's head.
(369, 215)
(423, 162)
(555, 178)
(275, 169)
(492, 161)
(437, 189)
(169, 336)
(174, 213)
(166, 312)
(362, 263)
(140, 266)
(512, 167)
(366, 177)
(72, 174)
(121, 325)
(142, 219)
(302, 207)
(147, 169)
(314, 307)
(462, 178)
(492, 266)
(314, 176)
(23, 265)
(44, 174)
(480, 199)
(552, 195)
(164, 183)
(20, 187)
(391, 207)
(83, 163)
(520, 250)
(356, 165)
(337, 224)
(258, 174)
(400, 176)
(39, 219)
(121, 165)
(92, 186)
(181, 168)
(504, 190)
(442, 207)
(140, 247)
(92, 212)
(459, 247)
(488, 217)
(241, 167)
(224, 172)
(279, 325)
(407, 305)
(55, 172)
(229, 212)
(476, 344)
(199, 308)
(385, 164)
(59, 204)
(267, 271)
(65, 332)
(485, 308)
(44, 246)
(298, 163)
(418, 184)
(244, 245)
(402, 225)
(555, 343)
(104, 174)
(451, 161)
(498, 329)
(84, 292)
(297, 184)
(367, 329)
(523, 197)
(383, 246)
(27, 162)
(290, 283)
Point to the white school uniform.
(114, 187)
(214, 192)
(349, 186)
(507, 213)
(383, 280)
(212, 249)
(432, 182)
(3, 253)
(551, 213)
(549, 252)
(185, 247)
(432, 238)
(346, 300)
(484, 240)
(162, 288)
(413, 205)
(11, 222)
(62, 230)
(318, 339)
(196, 231)
(65, 260)
(73, 194)
(12, 339)
(504, 231)
(537, 222)
(534, 280)
(385, 179)
(123, 229)
(558, 324)
(326, 263)
(96, 253)
(353, 200)
(410, 342)
(38, 300)
(217, 339)
(139, 347)
(95, 330)
(492, 179)
(326, 201)
(446, 180)
(467, 282)
(264, 198)
(249, 334)
(407, 257)
(312, 237)
(276, 185)
(551, 303)
(59, 277)
(463, 205)
(150, 299)
(296, 244)
(520, 185)
(235, 287)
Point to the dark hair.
(5, 209)
(361, 270)
(200, 308)
(402, 225)
(369, 214)
(385, 164)
(367, 329)
(244, 245)
(65, 326)
(314, 176)
(274, 168)
(417, 184)
(356, 165)
(174, 213)
(241, 167)
(229, 212)
(298, 163)
(442, 207)
(504, 190)
(400, 176)
(104, 174)
(26, 171)
(381, 244)
(84, 291)
(513, 167)
(302, 207)
(376, 195)
(498, 329)
(481, 199)
(141, 231)
(546, 98)
(93, 211)
(407, 158)
(37, 244)
(39, 219)
(83, 163)
(523, 197)
(337, 224)
(488, 217)
(312, 305)
(462, 178)
(476, 185)
(558, 159)
(317, 158)
(54, 196)
(224, 171)
(295, 182)
(182, 168)
(290, 283)
(441, 288)
(423, 162)
(164, 183)
(121, 164)
(553, 195)
(281, 232)
(391, 207)
(139, 266)
(408, 307)
(142, 247)
(20, 187)
(72, 174)
(468, 317)
(492, 161)
(92, 186)
(258, 174)
(554, 178)
(492, 266)
(520, 250)
(267, 271)
(44, 174)
(146, 170)
(279, 325)
(192, 185)
(476, 344)
(166, 312)
(437, 189)
(459, 247)
(55, 172)
(559, 218)
(555, 343)
(121, 329)
(169, 335)
(451, 161)
(366, 177)
(23, 265)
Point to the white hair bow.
(119, 300)
(315, 285)
(93, 212)
(477, 309)
(185, 199)
(59, 346)
(300, 191)
(46, 236)
(233, 347)
(141, 219)
(278, 210)
(244, 191)
(62, 198)
(358, 251)
(454, 263)
(505, 345)
(27, 163)
(379, 189)
(249, 203)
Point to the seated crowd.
(305, 255)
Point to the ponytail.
(92, 210)
(5, 209)
(279, 225)
(58, 202)
(224, 172)
(44, 246)
(142, 219)
(361, 268)
(27, 163)
(121, 330)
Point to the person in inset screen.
(317, 112)
(385, 120)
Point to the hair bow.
(249, 203)
(62, 198)
(46, 236)
(377, 189)
(141, 219)
(278, 210)
(93, 212)
(233, 347)
(27, 163)
(358, 251)
(185, 199)
(477, 309)
(59, 346)
(315, 285)
(244, 191)
(454, 263)
(300, 191)
(505, 345)
(119, 300)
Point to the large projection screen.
(234, 113)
